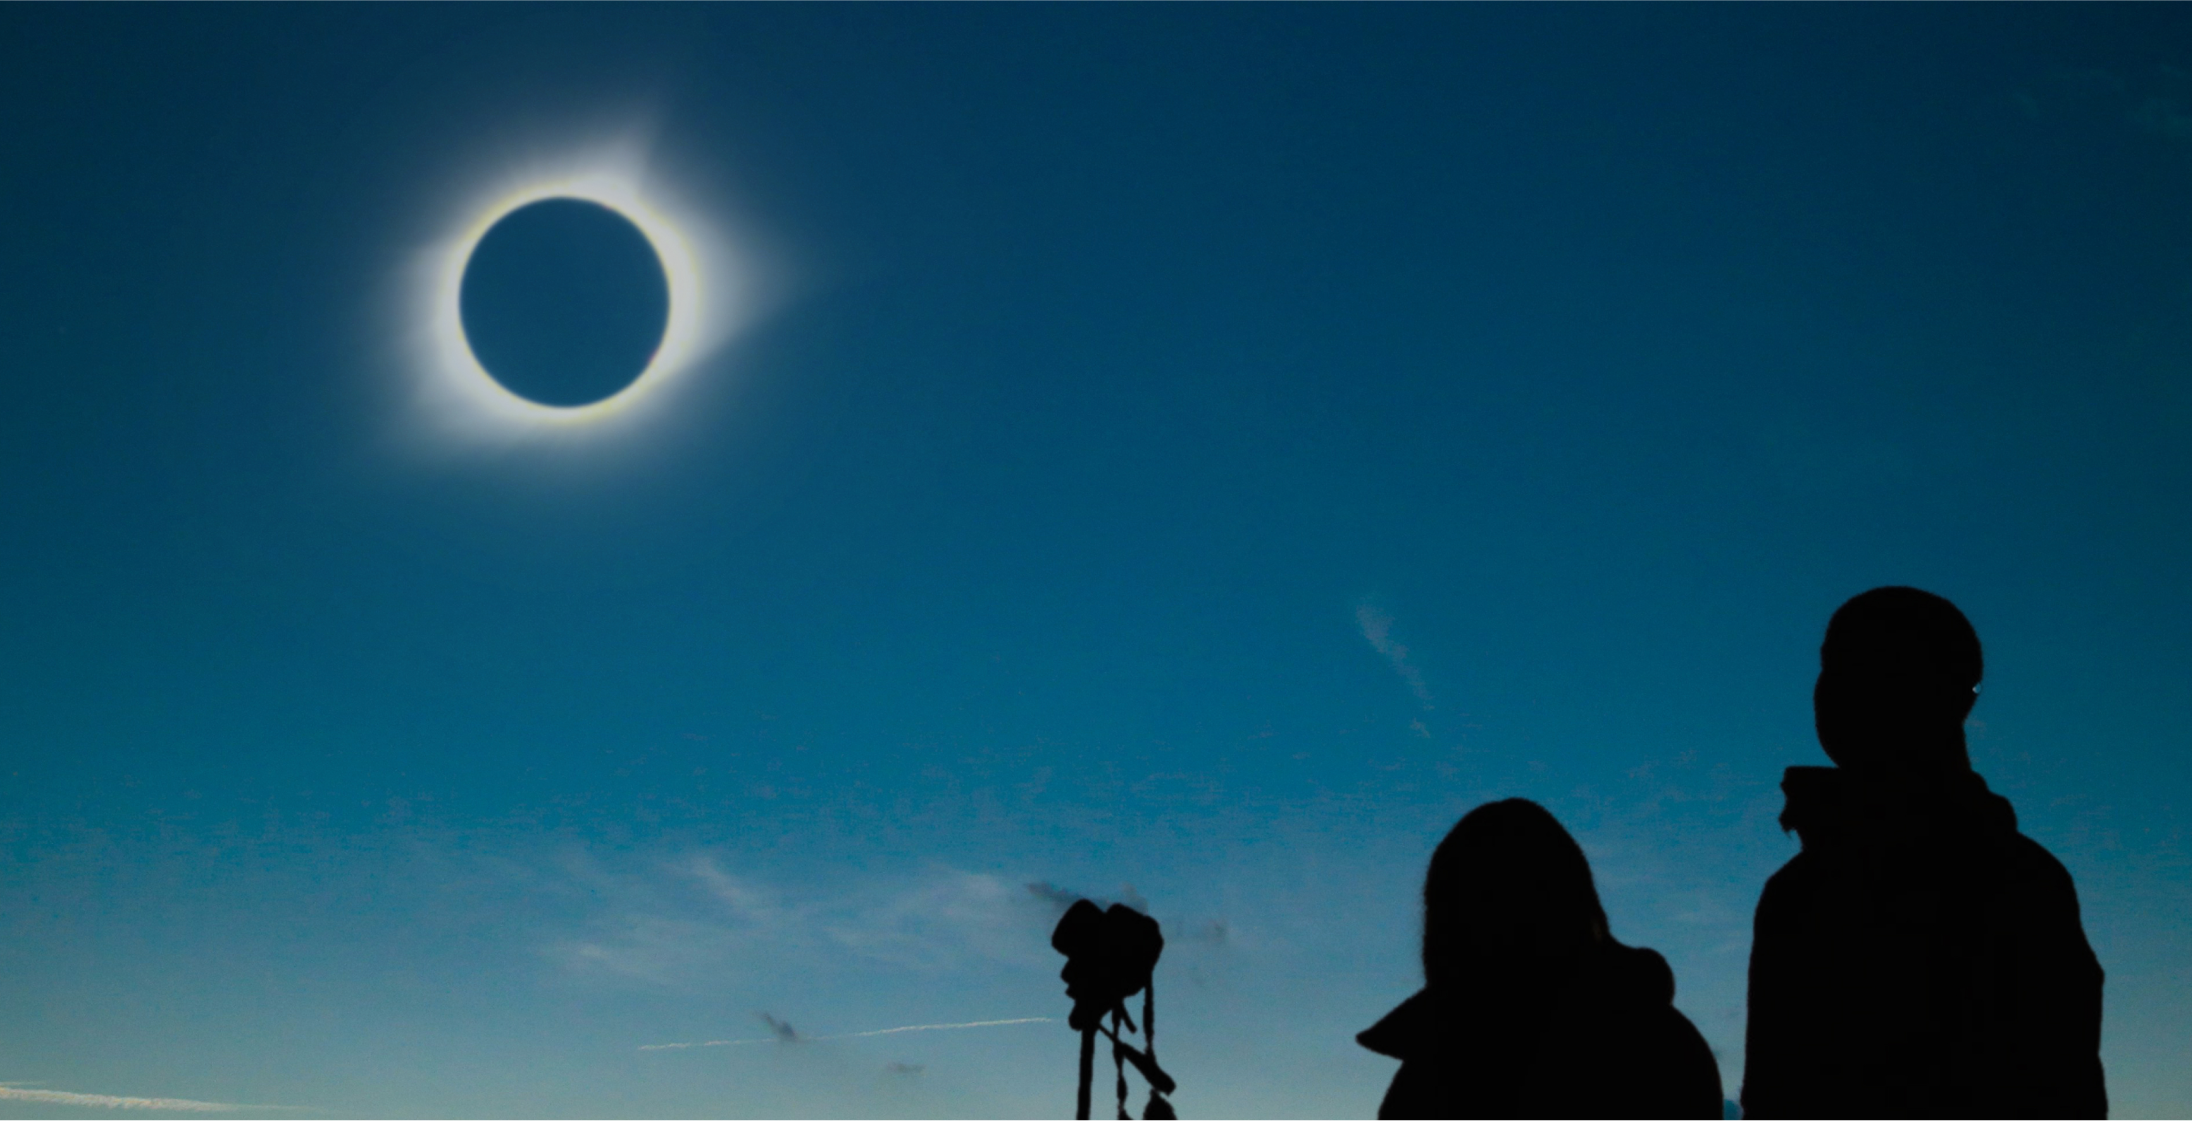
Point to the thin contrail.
(943, 1027)
(112, 1101)
(853, 1034)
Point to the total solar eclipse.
(564, 302)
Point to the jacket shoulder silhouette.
(1919, 961)
(1610, 1044)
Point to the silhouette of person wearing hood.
(1529, 1007)
(1919, 957)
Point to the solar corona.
(469, 393)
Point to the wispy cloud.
(1062, 898)
(114, 1101)
(1054, 895)
(781, 1029)
(784, 1034)
(2154, 100)
(694, 917)
(1377, 626)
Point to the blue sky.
(1194, 453)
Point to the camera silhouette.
(1111, 954)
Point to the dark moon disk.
(564, 302)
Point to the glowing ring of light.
(682, 335)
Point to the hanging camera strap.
(1144, 1059)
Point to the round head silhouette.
(1509, 899)
(1898, 672)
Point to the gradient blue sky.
(1202, 449)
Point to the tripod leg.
(1088, 1073)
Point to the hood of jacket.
(1829, 808)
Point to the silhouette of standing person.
(1919, 957)
(1529, 1008)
